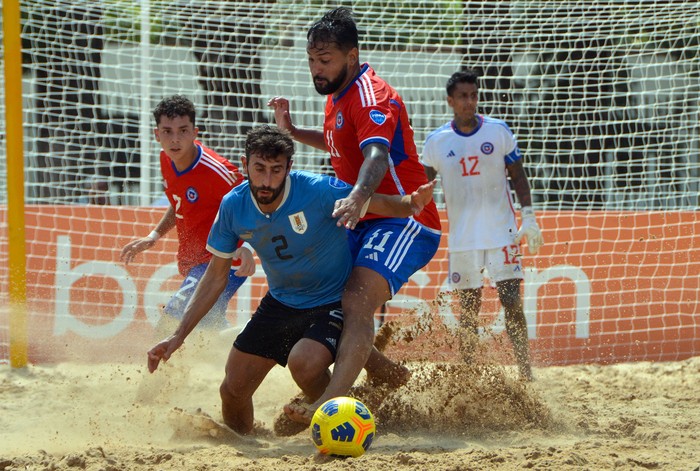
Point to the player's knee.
(306, 370)
(229, 390)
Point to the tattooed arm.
(371, 173)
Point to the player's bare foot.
(301, 413)
(284, 426)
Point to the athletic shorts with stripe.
(216, 317)
(395, 248)
(275, 328)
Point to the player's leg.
(244, 373)
(467, 279)
(506, 270)
(216, 317)
(516, 325)
(312, 355)
(392, 250)
(365, 291)
(470, 305)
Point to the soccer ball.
(343, 427)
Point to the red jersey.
(195, 194)
(369, 111)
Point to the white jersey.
(472, 168)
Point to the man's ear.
(289, 166)
(157, 134)
(244, 165)
(354, 56)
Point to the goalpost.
(604, 96)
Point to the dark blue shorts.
(395, 248)
(275, 328)
(216, 317)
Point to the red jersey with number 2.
(195, 194)
(369, 111)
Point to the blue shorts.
(216, 317)
(395, 248)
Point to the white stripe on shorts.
(402, 245)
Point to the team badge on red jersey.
(298, 221)
(192, 194)
(339, 120)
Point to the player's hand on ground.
(247, 267)
(530, 230)
(283, 119)
(422, 196)
(134, 248)
(348, 211)
(162, 351)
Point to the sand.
(448, 417)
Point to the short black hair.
(174, 106)
(336, 26)
(268, 142)
(463, 76)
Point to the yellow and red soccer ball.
(342, 426)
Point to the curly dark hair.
(336, 26)
(174, 106)
(268, 142)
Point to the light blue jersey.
(304, 254)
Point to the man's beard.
(268, 199)
(332, 86)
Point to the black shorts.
(274, 329)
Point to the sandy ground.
(448, 417)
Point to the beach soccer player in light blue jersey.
(288, 218)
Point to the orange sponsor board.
(606, 287)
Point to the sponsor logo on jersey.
(331, 340)
(451, 153)
(336, 183)
(339, 120)
(487, 148)
(298, 221)
(377, 116)
(246, 235)
(455, 277)
(191, 194)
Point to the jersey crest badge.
(191, 194)
(487, 148)
(377, 116)
(339, 120)
(298, 221)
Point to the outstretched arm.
(283, 119)
(208, 289)
(137, 246)
(395, 205)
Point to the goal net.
(602, 94)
